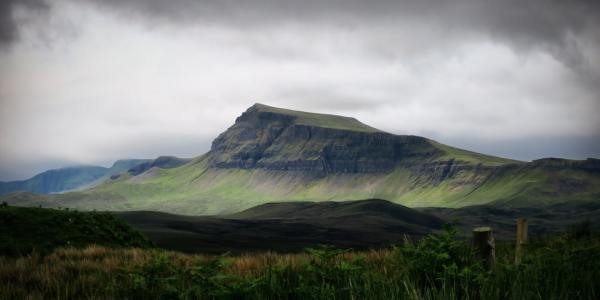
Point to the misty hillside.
(274, 155)
(65, 179)
(73, 178)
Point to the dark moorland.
(292, 226)
(287, 227)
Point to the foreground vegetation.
(436, 267)
(24, 230)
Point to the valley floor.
(364, 224)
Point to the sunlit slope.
(195, 189)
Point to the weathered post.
(521, 239)
(485, 246)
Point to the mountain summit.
(306, 118)
(272, 154)
(272, 138)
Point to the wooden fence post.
(485, 245)
(521, 239)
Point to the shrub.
(580, 230)
(442, 261)
(328, 274)
(27, 229)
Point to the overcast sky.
(89, 82)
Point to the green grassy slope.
(416, 172)
(470, 156)
(195, 189)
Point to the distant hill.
(543, 220)
(25, 229)
(287, 227)
(65, 179)
(80, 177)
(277, 155)
(333, 212)
(292, 226)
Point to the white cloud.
(119, 88)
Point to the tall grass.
(437, 267)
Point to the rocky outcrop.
(590, 164)
(122, 165)
(276, 141)
(163, 162)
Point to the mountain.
(273, 155)
(65, 179)
(277, 139)
(290, 226)
(56, 180)
(81, 177)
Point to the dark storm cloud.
(553, 25)
(9, 23)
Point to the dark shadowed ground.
(292, 226)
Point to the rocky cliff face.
(269, 139)
(435, 172)
(551, 163)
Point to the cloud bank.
(87, 82)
